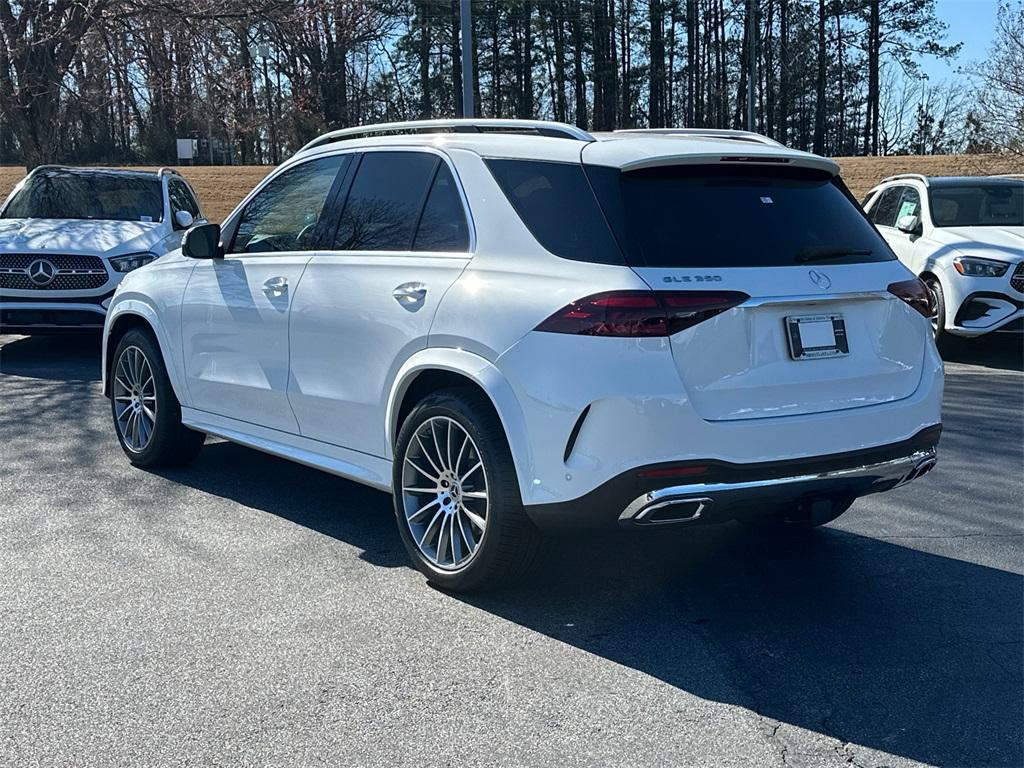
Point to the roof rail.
(900, 176)
(539, 127)
(169, 171)
(709, 133)
(1007, 176)
(47, 168)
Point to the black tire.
(942, 336)
(169, 443)
(509, 544)
(804, 517)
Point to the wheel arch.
(434, 369)
(126, 316)
(931, 273)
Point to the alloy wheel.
(444, 493)
(135, 406)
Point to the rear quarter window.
(556, 203)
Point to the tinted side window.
(385, 201)
(283, 216)
(884, 212)
(558, 206)
(443, 225)
(182, 198)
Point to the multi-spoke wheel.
(147, 416)
(134, 393)
(456, 494)
(444, 492)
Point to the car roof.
(972, 181)
(624, 150)
(79, 171)
(946, 182)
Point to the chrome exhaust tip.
(671, 511)
(922, 468)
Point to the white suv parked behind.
(964, 236)
(68, 236)
(516, 325)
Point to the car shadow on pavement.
(333, 506)
(852, 637)
(68, 357)
(863, 640)
(1001, 351)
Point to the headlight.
(972, 267)
(131, 261)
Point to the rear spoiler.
(788, 159)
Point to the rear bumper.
(715, 491)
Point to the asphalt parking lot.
(248, 611)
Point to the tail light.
(640, 313)
(916, 294)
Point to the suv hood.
(998, 242)
(76, 235)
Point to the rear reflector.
(681, 471)
(916, 294)
(640, 313)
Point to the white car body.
(56, 274)
(974, 305)
(316, 356)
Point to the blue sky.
(971, 22)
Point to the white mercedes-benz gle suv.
(516, 325)
(964, 236)
(68, 236)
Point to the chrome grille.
(70, 272)
(1017, 281)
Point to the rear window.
(557, 205)
(701, 216)
(78, 195)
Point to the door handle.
(275, 286)
(410, 295)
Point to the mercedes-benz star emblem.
(41, 272)
(820, 279)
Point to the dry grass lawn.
(221, 187)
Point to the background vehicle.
(68, 236)
(517, 324)
(965, 237)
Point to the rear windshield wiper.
(824, 254)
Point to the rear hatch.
(819, 331)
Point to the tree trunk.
(456, 31)
(579, 77)
(871, 115)
(656, 92)
(783, 121)
(426, 104)
(819, 106)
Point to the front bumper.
(716, 491)
(976, 306)
(53, 315)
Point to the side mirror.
(909, 224)
(203, 242)
(183, 219)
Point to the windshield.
(712, 216)
(983, 205)
(77, 195)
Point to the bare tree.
(1000, 109)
